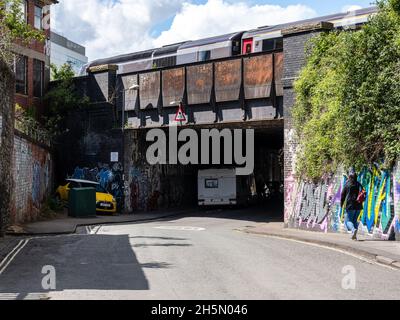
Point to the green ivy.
(347, 110)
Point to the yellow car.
(105, 202)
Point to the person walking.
(353, 196)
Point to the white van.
(222, 187)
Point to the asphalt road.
(201, 257)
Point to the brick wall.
(32, 177)
(34, 50)
(294, 49)
(7, 86)
(316, 206)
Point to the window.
(268, 45)
(211, 184)
(279, 44)
(272, 44)
(21, 74)
(204, 55)
(23, 9)
(37, 78)
(38, 17)
(164, 62)
(248, 48)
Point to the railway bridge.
(247, 91)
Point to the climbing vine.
(347, 110)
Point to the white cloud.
(351, 7)
(219, 17)
(109, 27)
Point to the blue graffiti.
(109, 178)
(36, 183)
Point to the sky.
(111, 27)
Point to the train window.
(236, 48)
(268, 45)
(279, 43)
(204, 55)
(272, 44)
(248, 48)
(164, 62)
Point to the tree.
(62, 98)
(13, 27)
(348, 97)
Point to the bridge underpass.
(151, 187)
(236, 93)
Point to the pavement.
(195, 256)
(384, 252)
(63, 224)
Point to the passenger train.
(263, 39)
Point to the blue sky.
(110, 27)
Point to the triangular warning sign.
(180, 115)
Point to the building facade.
(32, 61)
(63, 50)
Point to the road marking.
(11, 256)
(27, 296)
(180, 228)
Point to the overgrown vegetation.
(348, 97)
(61, 99)
(14, 28)
(25, 121)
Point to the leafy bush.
(348, 97)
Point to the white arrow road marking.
(11, 256)
(180, 228)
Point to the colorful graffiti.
(36, 184)
(312, 204)
(317, 206)
(109, 177)
(396, 196)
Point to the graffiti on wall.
(312, 203)
(318, 206)
(396, 195)
(36, 183)
(109, 177)
(154, 187)
(32, 175)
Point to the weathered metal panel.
(228, 79)
(173, 82)
(278, 71)
(149, 89)
(261, 110)
(199, 83)
(229, 114)
(258, 76)
(130, 95)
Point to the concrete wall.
(32, 173)
(151, 187)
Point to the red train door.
(247, 46)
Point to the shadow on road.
(263, 213)
(96, 262)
